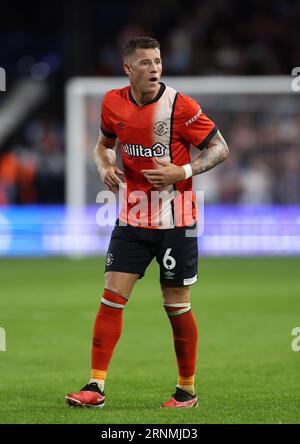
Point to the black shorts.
(131, 250)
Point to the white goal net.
(259, 118)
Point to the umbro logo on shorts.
(169, 275)
(109, 259)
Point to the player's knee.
(175, 294)
(121, 283)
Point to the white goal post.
(78, 89)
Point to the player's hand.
(167, 174)
(109, 177)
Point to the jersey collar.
(156, 98)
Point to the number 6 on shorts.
(168, 261)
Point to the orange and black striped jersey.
(164, 128)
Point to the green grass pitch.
(246, 372)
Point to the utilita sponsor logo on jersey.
(157, 150)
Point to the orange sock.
(107, 331)
(185, 336)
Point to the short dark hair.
(139, 42)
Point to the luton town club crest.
(160, 128)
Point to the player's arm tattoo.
(215, 152)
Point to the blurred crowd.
(33, 170)
(198, 37)
(264, 162)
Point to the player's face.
(144, 70)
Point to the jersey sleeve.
(106, 121)
(196, 127)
